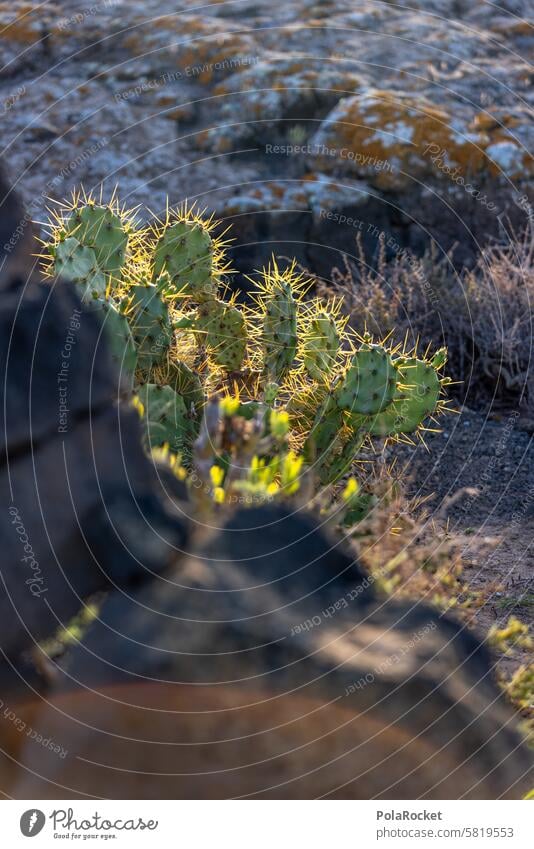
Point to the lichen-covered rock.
(203, 48)
(241, 83)
(276, 88)
(418, 140)
(318, 193)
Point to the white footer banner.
(267, 824)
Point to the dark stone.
(52, 353)
(266, 665)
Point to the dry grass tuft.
(485, 315)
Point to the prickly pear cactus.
(320, 346)
(101, 229)
(168, 421)
(279, 329)
(225, 332)
(254, 396)
(185, 251)
(75, 262)
(150, 323)
(415, 399)
(370, 382)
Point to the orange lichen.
(19, 22)
(486, 121)
(413, 135)
(203, 46)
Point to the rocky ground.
(302, 124)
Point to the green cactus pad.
(412, 404)
(279, 331)
(77, 263)
(167, 418)
(370, 382)
(185, 252)
(99, 228)
(320, 347)
(119, 336)
(327, 447)
(226, 333)
(150, 325)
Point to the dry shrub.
(399, 294)
(484, 316)
(500, 293)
